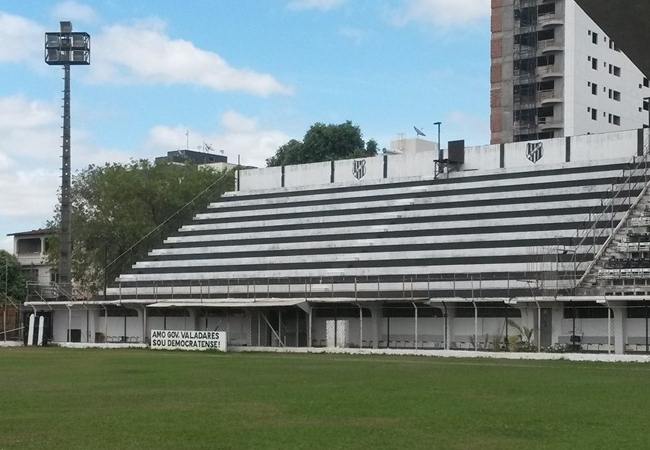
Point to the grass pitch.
(58, 398)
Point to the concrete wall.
(259, 179)
(307, 174)
(344, 170)
(583, 148)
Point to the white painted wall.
(579, 72)
(413, 164)
(307, 174)
(619, 144)
(484, 157)
(259, 179)
(343, 170)
(595, 147)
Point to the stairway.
(613, 248)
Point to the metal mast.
(65, 49)
(65, 239)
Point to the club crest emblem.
(359, 168)
(534, 151)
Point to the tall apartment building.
(555, 73)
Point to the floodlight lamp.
(67, 47)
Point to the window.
(615, 70)
(616, 120)
(594, 88)
(29, 246)
(30, 274)
(594, 38)
(594, 114)
(594, 63)
(616, 95)
(645, 82)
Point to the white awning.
(228, 303)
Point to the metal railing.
(632, 179)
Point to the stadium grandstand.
(531, 246)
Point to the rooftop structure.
(30, 248)
(192, 157)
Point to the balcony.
(550, 97)
(550, 20)
(550, 45)
(551, 123)
(551, 71)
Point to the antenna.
(418, 132)
(187, 139)
(207, 147)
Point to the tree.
(12, 281)
(371, 147)
(324, 143)
(115, 205)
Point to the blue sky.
(244, 76)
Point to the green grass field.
(58, 398)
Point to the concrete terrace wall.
(585, 148)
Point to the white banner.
(188, 340)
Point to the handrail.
(637, 163)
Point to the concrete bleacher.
(469, 258)
(467, 235)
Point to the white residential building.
(556, 73)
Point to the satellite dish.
(418, 132)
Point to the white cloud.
(144, 53)
(21, 39)
(74, 11)
(356, 35)
(442, 13)
(30, 157)
(321, 5)
(475, 130)
(7, 243)
(238, 135)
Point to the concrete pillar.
(618, 328)
(451, 315)
(556, 325)
(193, 320)
(373, 326)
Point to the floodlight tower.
(66, 48)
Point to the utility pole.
(440, 154)
(66, 48)
(4, 301)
